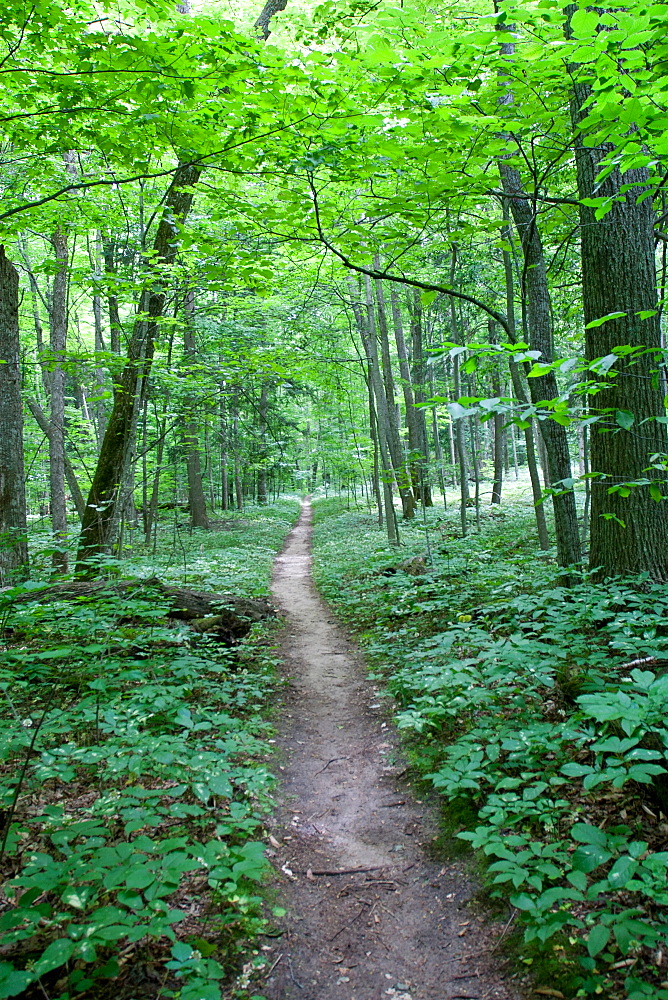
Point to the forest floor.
(371, 912)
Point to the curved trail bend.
(397, 924)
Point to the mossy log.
(225, 616)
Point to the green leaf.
(587, 858)
(622, 871)
(585, 833)
(597, 940)
(604, 319)
(140, 877)
(12, 981)
(624, 419)
(57, 953)
(181, 951)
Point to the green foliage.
(134, 781)
(521, 696)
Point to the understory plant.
(134, 782)
(542, 707)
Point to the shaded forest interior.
(411, 262)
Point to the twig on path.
(342, 871)
(274, 966)
(356, 917)
(328, 763)
(503, 932)
(292, 975)
(391, 805)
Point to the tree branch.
(427, 286)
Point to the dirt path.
(399, 926)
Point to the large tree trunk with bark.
(544, 387)
(100, 517)
(13, 523)
(628, 533)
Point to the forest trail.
(398, 926)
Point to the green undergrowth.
(539, 712)
(134, 781)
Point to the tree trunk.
(263, 409)
(373, 432)
(196, 500)
(544, 387)
(499, 430)
(403, 482)
(521, 395)
(459, 428)
(419, 381)
(366, 327)
(13, 522)
(387, 412)
(58, 342)
(406, 386)
(101, 509)
(238, 485)
(628, 533)
(70, 475)
(115, 328)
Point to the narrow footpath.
(369, 914)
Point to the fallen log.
(225, 616)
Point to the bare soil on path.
(369, 914)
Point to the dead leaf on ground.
(546, 991)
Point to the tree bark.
(13, 520)
(403, 483)
(373, 433)
(422, 488)
(225, 616)
(43, 423)
(263, 409)
(544, 387)
(366, 327)
(58, 342)
(628, 534)
(521, 395)
(459, 427)
(238, 485)
(499, 430)
(115, 328)
(100, 516)
(196, 499)
(406, 386)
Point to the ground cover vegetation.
(538, 714)
(396, 253)
(135, 781)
